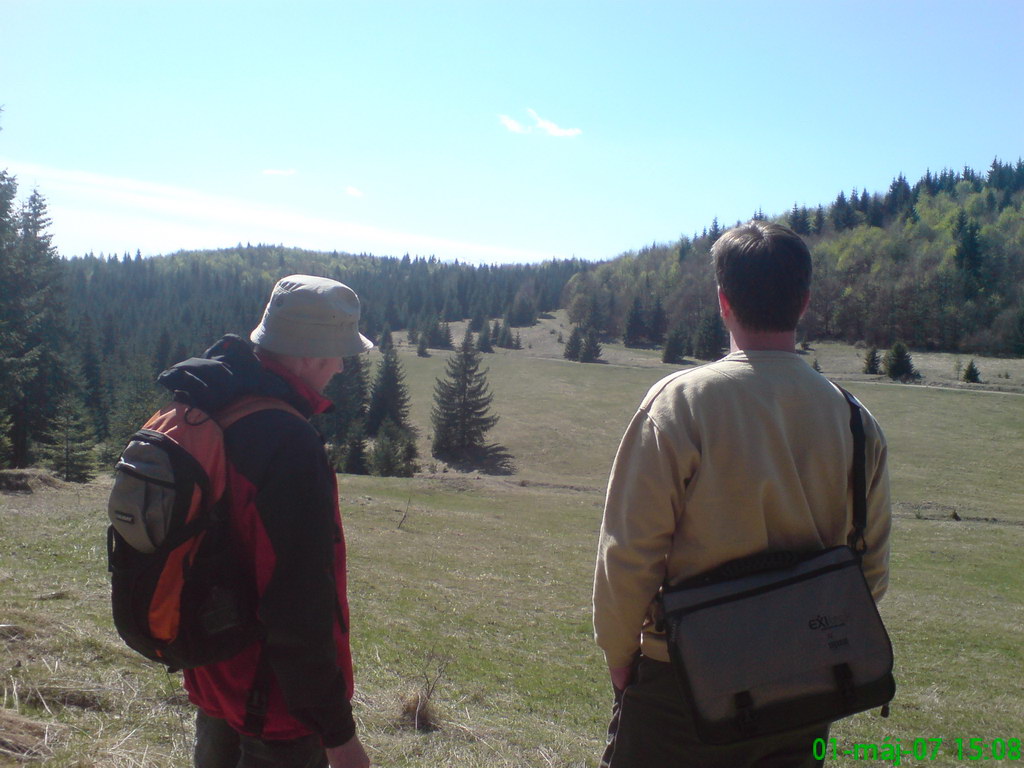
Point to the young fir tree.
(5, 438)
(635, 332)
(421, 347)
(899, 365)
(590, 350)
(350, 393)
(385, 341)
(353, 459)
(707, 339)
(67, 448)
(971, 373)
(462, 400)
(389, 398)
(574, 344)
(872, 362)
(393, 453)
(658, 322)
(483, 341)
(675, 346)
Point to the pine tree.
(899, 365)
(574, 344)
(5, 438)
(461, 414)
(67, 445)
(635, 332)
(483, 341)
(393, 453)
(385, 341)
(162, 353)
(675, 346)
(355, 460)
(971, 373)
(590, 350)
(31, 319)
(421, 347)
(94, 390)
(707, 339)
(872, 362)
(658, 322)
(389, 398)
(350, 393)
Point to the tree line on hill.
(934, 265)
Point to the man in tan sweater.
(749, 453)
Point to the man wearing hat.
(284, 701)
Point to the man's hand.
(349, 755)
(621, 676)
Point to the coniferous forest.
(937, 265)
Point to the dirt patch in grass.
(26, 480)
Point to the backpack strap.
(860, 495)
(249, 404)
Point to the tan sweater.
(752, 452)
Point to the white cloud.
(113, 215)
(512, 125)
(550, 128)
(353, 192)
(540, 125)
(277, 172)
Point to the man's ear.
(723, 305)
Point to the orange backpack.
(176, 590)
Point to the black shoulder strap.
(860, 491)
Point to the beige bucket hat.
(311, 316)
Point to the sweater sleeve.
(641, 508)
(299, 606)
(876, 559)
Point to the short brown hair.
(764, 270)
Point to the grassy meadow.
(472, 591)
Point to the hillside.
(480, 585)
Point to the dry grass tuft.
(22, 737)
(418, 713)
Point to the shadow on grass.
(492, 459)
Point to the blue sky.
(486, 131)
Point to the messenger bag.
(781, 641)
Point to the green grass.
(481, 584)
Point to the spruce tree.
(67, 445)
(590, 350)
(675, 346)
(483, 341)
(658, 322)
(574, 344)
(389, 398)
(393, 453)
(971, 373)
(899, 365)
(635, 332)
(32, 350)
(421, 347)
(707, 339)
(872, 362)
(461, 414)
(350, 393)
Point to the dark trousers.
(651, 729)
(218, 745)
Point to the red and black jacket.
(284, 513)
